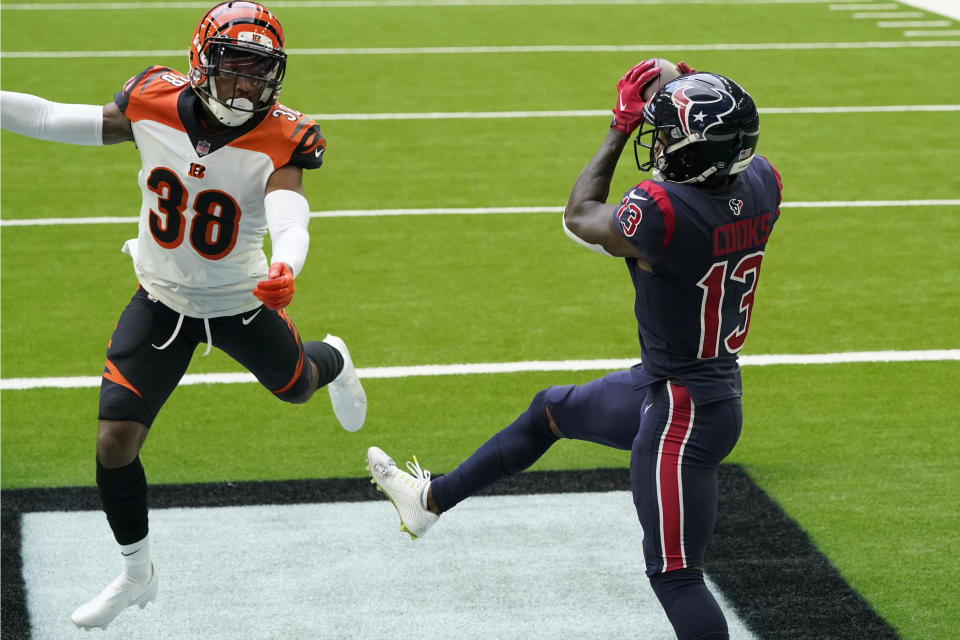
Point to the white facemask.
(231, 117)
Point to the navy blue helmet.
(708, 127)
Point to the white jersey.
(202, 222)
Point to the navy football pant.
(675, 448)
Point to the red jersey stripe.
(662, 201)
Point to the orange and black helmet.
(240, 43)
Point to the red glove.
(684, 68)
(277, 290)
(628, 114)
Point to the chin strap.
(38, 118)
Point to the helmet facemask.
(698, 129)
(239, 79)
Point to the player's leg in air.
(610, 411)
(269, 343)
(561, 411)
(139, 377)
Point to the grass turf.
(861, 455)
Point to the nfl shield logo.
(203, 148)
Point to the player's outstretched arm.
(83, 124)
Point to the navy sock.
(691, 608)
(328, 360)
(123, 494)
(509, 452)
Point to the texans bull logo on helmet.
(690, 102)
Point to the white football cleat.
(117, 596)
(347, 396)
(406, 492)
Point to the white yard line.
(595, 113)
(559, 48)
(75, 382)
(863, 7)
(882, 15)
(902, 24)
(440, 211)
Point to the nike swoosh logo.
(318, 152)
(247, 321)
(647, 409)
(635, 194)
(622, 105)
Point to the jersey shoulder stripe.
(288, 137)
(152, 95)
(662, 199)
(776, 174)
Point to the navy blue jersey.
(705, 247)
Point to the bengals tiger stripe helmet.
(241, 43)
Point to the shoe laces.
(416, 471)
(421, 479)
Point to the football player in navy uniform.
(693, 239)
(221, 165)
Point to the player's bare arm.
(116, 126)
(587, 216)
(289, 177)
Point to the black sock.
(328, 360)
(508, 452)
(691, 608)
(123, 494)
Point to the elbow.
(570, 215)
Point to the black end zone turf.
(765, 565)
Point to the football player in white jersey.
(222, 165)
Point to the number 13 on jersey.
(714, 285)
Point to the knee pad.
(301, 390)
(523, 442)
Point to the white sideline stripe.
(340, 4)
(371, 213)
(582, 113)
(21, 384)
(548, 48)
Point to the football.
(668, 72)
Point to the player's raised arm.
(587, 219)
(83, 124)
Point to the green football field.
(494, 108)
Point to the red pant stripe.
(669, 481)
